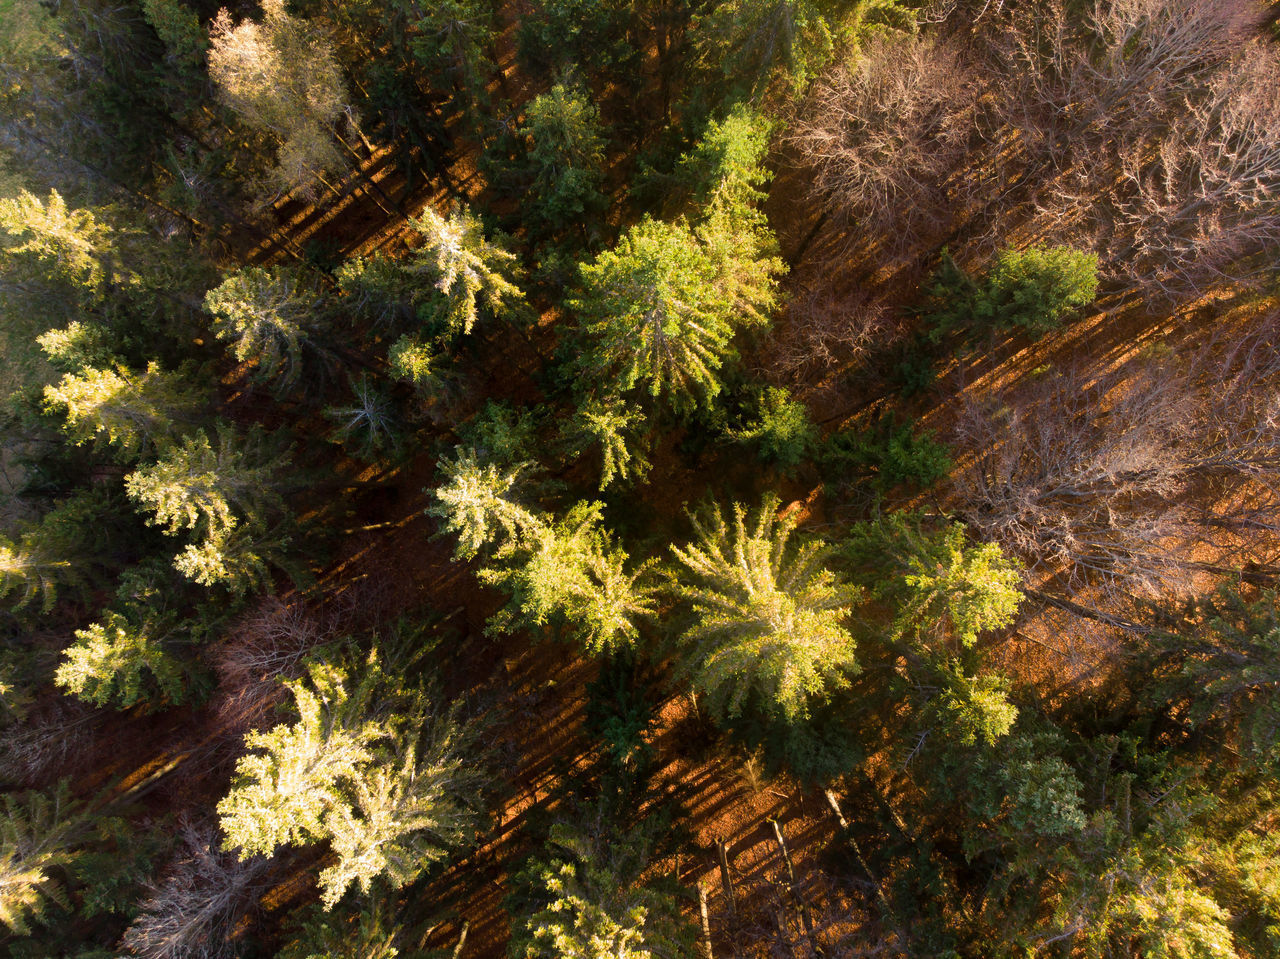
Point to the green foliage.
(500, 434)
(973, 708)
(751, 44)
(35, 837)
(474, 502)
(371, 769)
(765, 625)
(179, 28)
(78, 345)
(345, 933)
(727, 165)
(268, 314)
(570, 574)
(110, 663)
(782, 431)
(1033, 290)
(585, 901)
(295, 774)
(134, 412)
(935, 579)
(611, 425)
(561, 168)
(562, 35)
(465, 267)
(209, 488)
(660, 309)
(69, 244)
(52, 554)
(620, 715)
(895, 456)
(414, 363)
(129, 655)
(1212, 662)
(380, 291)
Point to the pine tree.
(54, 553)
(475, 503)
(134, 412)
(405, 813)
(586, 900)
(36, 833)
(943, 592)
(935, 579)
(464, 266)
(209, 488)
(69, 244)
(239, 559)
(269, 315)
(765, 629)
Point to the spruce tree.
(269, 315)
(368, 767)
(476, 503)
(584, 899)
(36, 836)
(765, 628)
(280, 75)
(134, 412)
(570, 575)
(209, 487)
(464, 266)
(653, 316)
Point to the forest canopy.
(771, 478)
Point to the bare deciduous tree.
(884, 136)
(196, 910)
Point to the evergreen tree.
(937, 582)
(611, 425)
(110, 662)
(372, 770)
(660, 310)
(53, 553)
(131, 411)
(209, 488)
(765, 626)
(570, 574)
(465, 267)
(407, 812)
(561, 165)
(70, 244)
(129, 654)
(36, 835)
(281, 76)
(943, 592)
(268, 315)
(298, 773)
(475, 503)
(586, 900)
(241, 558)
